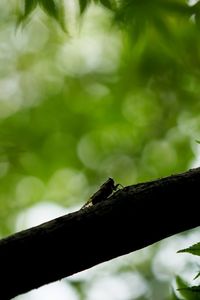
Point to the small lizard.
(103, 193)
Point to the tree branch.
(132, 218)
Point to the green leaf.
(174, 296)
(106, 3)
(83, 5)
(55, 10)
(190, 293)
(195, 289)
(198, 274)
(185, 291)
(49, 6)
(181, 284)
(29, 6)
(194, 249)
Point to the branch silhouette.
(132, 218)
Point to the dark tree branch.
(131, 219)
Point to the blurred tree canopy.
(91, 89)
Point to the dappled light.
(38, 214)
(51, 292)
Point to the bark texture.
(132, 218)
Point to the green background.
(111, 92)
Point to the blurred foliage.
(92, 89)
(186, 291)
(194, 249)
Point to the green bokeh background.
(107, 94)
